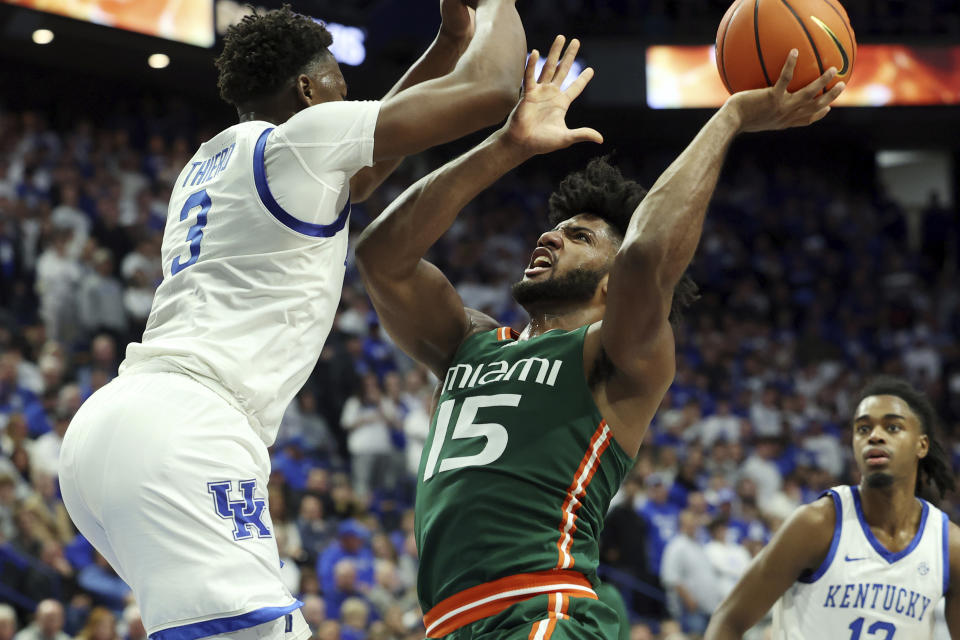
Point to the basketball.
(755, 36)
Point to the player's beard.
(579, 285)
(879, 480)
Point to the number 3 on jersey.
(495, 434)
(195, 234)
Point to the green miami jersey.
(519, 467)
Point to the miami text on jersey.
(470, 376)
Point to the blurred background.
(830, 254)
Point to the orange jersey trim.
(577, 490)
(507, 333)
(491, 598)
(557, 606)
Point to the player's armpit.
(801, 544)
(953, 589)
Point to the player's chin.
(878, 479)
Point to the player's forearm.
(666, 227)
(493, 62)
(394, 243)
(438, 60)
(722, 630)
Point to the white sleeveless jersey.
(254, 256)
(862, 591)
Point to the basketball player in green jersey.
(534, 432)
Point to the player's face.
(570, 261)
(888, 441)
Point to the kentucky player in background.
(165, 469)
(534, 433)
(865, 562)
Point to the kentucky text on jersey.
(470, 376)
(867, 595)
(209, 168)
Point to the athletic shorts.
(546, 617)
(169, 482)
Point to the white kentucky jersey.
(863, 591)
(254, 256)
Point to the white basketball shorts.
(169, 482)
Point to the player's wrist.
(734, 113)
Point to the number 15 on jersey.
(495, 434)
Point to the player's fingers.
(586, 134)
(550, 64)
(819, 115)
(786, 74)
(566, 62)
(817, 86)
(831, 95)
(577, 86)
(529, 74)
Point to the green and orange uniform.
(513, 486)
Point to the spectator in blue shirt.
(353, 542)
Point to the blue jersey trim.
(834, 543)
(946, 551)
(218, 626)
(885, 553)
(266, 197)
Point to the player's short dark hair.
(265, 51)
(934, 470)
(601, 190)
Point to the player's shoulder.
(817, 518)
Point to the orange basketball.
(755, 37)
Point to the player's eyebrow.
(574, 228)
(887, 416)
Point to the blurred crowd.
(809, 282)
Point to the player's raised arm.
(457, 25)
(802, 544)
(416, 303)
(480, 91)
(665, 229)
(953, 588)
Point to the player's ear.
(305, 90)
(923, 446)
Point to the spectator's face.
(104, 629)
(351, 543)
(888, 441)
(314, 611)
(329, 630)
(346, 578)
(50, 617)
(8, 627)
(310, 508)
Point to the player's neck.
(891, 508)
(542, 321)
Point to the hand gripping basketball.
(777, 108)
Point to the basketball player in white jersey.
(866, 562)
(165, 469)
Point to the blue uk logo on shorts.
(246, 513)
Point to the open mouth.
(541, 261)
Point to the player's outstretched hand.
(458, 19)
(537, 123)
(776, 108)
